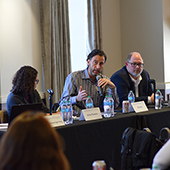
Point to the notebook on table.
(18, 109)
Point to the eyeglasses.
(37, 81)
(136, 64)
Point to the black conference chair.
(138, 149)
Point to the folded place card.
(90, 114)
(55, 120)
(139, 106)
(3, 126)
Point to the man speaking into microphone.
(89, 82)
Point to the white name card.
(55, 120)
(139, 106)
(90, 114)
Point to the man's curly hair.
(24, 79)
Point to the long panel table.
(86, 142)
(101, 139)
(156, 119)
(95, 140)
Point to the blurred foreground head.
(32, 144)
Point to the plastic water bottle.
(89, 102)
(111, 101)
(64, 111)
(70, 112)
(131, 99)
(158, 100)
(108, 106)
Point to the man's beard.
(92, 72)
(137, 74)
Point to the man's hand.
(103, 82)
(82, 95)
(152, 98)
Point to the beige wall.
(166, 42)
(142, 31)
(111, 35)
(20, 42)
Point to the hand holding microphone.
(102, 82)
(98, 77)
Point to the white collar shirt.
(136, 83)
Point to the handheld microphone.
(98, 77)
(50, 91)
(50, 99)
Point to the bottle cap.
(155, 167)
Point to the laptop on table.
(18, 109)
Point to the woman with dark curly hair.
(32, 144)
(24, 89)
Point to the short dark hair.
(129, 56)
(96, 52)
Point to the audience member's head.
(25, 80)
(32, 144)
(134, 64)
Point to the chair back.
(138, 149)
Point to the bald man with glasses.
(133, 77)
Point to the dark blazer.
(15, 99)
(124, 84)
